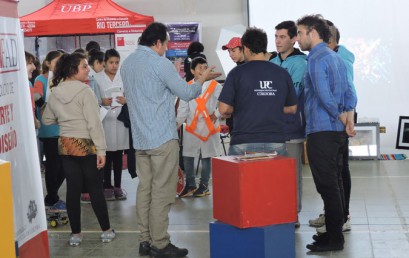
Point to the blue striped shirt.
(328, 92)
(150, 83)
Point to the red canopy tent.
(82, 17)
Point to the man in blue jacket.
(295, 62)
(348, 58)
(329, 101)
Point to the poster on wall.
(18, 138)
(181, 35)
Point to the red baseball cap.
(234, 42)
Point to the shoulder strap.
(201, 109)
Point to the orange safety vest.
(201, 109)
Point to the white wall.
(213, 14)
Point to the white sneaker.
(345, 228)
(318, 222)
(108, 236)
(75, 239)
(347, 225)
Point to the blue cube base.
(258, 242)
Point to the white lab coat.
(192, 145)
(116, 134)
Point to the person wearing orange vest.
(202, 135)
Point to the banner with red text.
(18, 138)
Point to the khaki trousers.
(157, 171)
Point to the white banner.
(18, 143)
(126, 43)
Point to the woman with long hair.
(73, 106)
(48, 135)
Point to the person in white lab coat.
(116, 134)
(202, 135)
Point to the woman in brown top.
(73, 106)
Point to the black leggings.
(79, 172)
(54, 173)
(113, 160)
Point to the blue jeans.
(190, 171)
(241, 149)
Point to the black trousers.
(325, 153)
(346, 179)
(54, 172)
(81, 171)
(113, 161)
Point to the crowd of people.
(89, 111)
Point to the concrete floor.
(379, 217)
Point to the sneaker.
(203, 190)
(318, 222)
(189, 190)
(109, 194)
(85, 198)
(169, 251)
(119, 193)
(347, 225)
(108, 236)
(59, 206)
(47, 205)
(144, 248)
(345, 228)
(75, 239)
(49, 202)
(327, 247)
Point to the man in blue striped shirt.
(329, 105)
(150, 83)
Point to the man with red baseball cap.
(235, 50)
(236, 54)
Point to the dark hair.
(37, 71)
(318, 23)
(111, 53)
(80, 50)
(30, 58)
(255, 39)
(196, 61)
(154, 32)
(48, 58)
(289, 26)
(95, 55)
(195, 47)
(92, 45)
(334, 31)
(66, 67)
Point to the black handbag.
(124, 116)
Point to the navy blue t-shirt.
(258, 92)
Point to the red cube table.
(254, 193)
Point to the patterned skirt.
(76, 146)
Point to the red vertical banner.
(18, 139)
